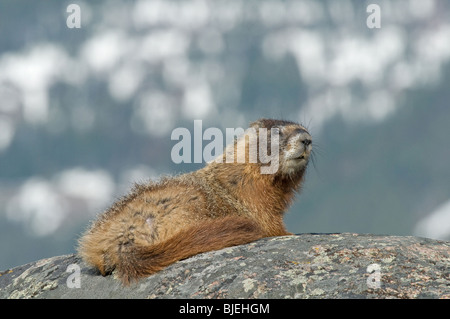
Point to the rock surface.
(300, 266)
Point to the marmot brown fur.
(223, 204)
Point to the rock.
(300, 266)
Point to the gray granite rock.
(300, 266)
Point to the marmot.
(221, 205)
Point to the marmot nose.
(305, 138)
(306, 141)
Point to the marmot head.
(276, 147)
(294, 144)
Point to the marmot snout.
(297, 149)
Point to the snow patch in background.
(42, 205)
(436, 225)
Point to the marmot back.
(221, 205)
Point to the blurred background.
(86, 112)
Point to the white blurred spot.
(192, 14)
(43, 205)
(309, 50)
(125, 81)
(304, 12)
(36, 106)
(421, 9)
(10, 99)
(148, 13)
(35, 69)
(103, 51)
(38, 205)
(33, 73)
(307, 47)
(365, 60)
(198, 101)
(436, 225)
(159, 45)
(7, 131)
(404, 75)
(154, 114)
(341, 12)
(227, 14)
(176, 70)
(95, 187)
(272, 12)
(379, 105)
(434, 45)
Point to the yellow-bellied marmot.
(223, 204)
